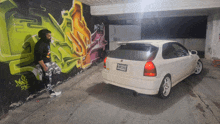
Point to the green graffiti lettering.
(22, 83)
(18, 36)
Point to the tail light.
(105, 62)
(150, 69)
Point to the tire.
(135, 94)
(165, 87)
(199, 67)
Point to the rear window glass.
(139, 52)
(138, 47)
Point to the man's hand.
(45, 68)
(43, 65)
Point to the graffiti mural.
(98, 43)
(72, 46)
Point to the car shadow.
(144, 104)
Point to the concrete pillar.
(212, 45)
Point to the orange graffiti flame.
(80, 35)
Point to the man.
(43, 60)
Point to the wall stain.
(217, 104)
(200, 108)
(211, 77)
(191, 93)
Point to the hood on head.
(42, 33)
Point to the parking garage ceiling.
(138, 9)
(106, 2)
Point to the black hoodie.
(42, 50)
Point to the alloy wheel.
(198, 67)
(166, 86)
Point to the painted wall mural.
(73, 45)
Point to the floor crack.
(207, 106)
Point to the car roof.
(153, 42)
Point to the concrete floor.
(87, 100)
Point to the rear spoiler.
(129, 42)
(122, 42)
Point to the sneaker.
(53, 93)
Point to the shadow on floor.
(144, 104)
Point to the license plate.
(122, 67)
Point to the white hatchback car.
(150, 66)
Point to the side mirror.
(194, 52)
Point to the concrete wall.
(133, 32)
(123, 33)
(191, 44)
(213, 36)
(73, 48)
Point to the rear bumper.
(149, 85)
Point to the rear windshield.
(139, 52)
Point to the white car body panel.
(179, 68)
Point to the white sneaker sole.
(55, 94)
